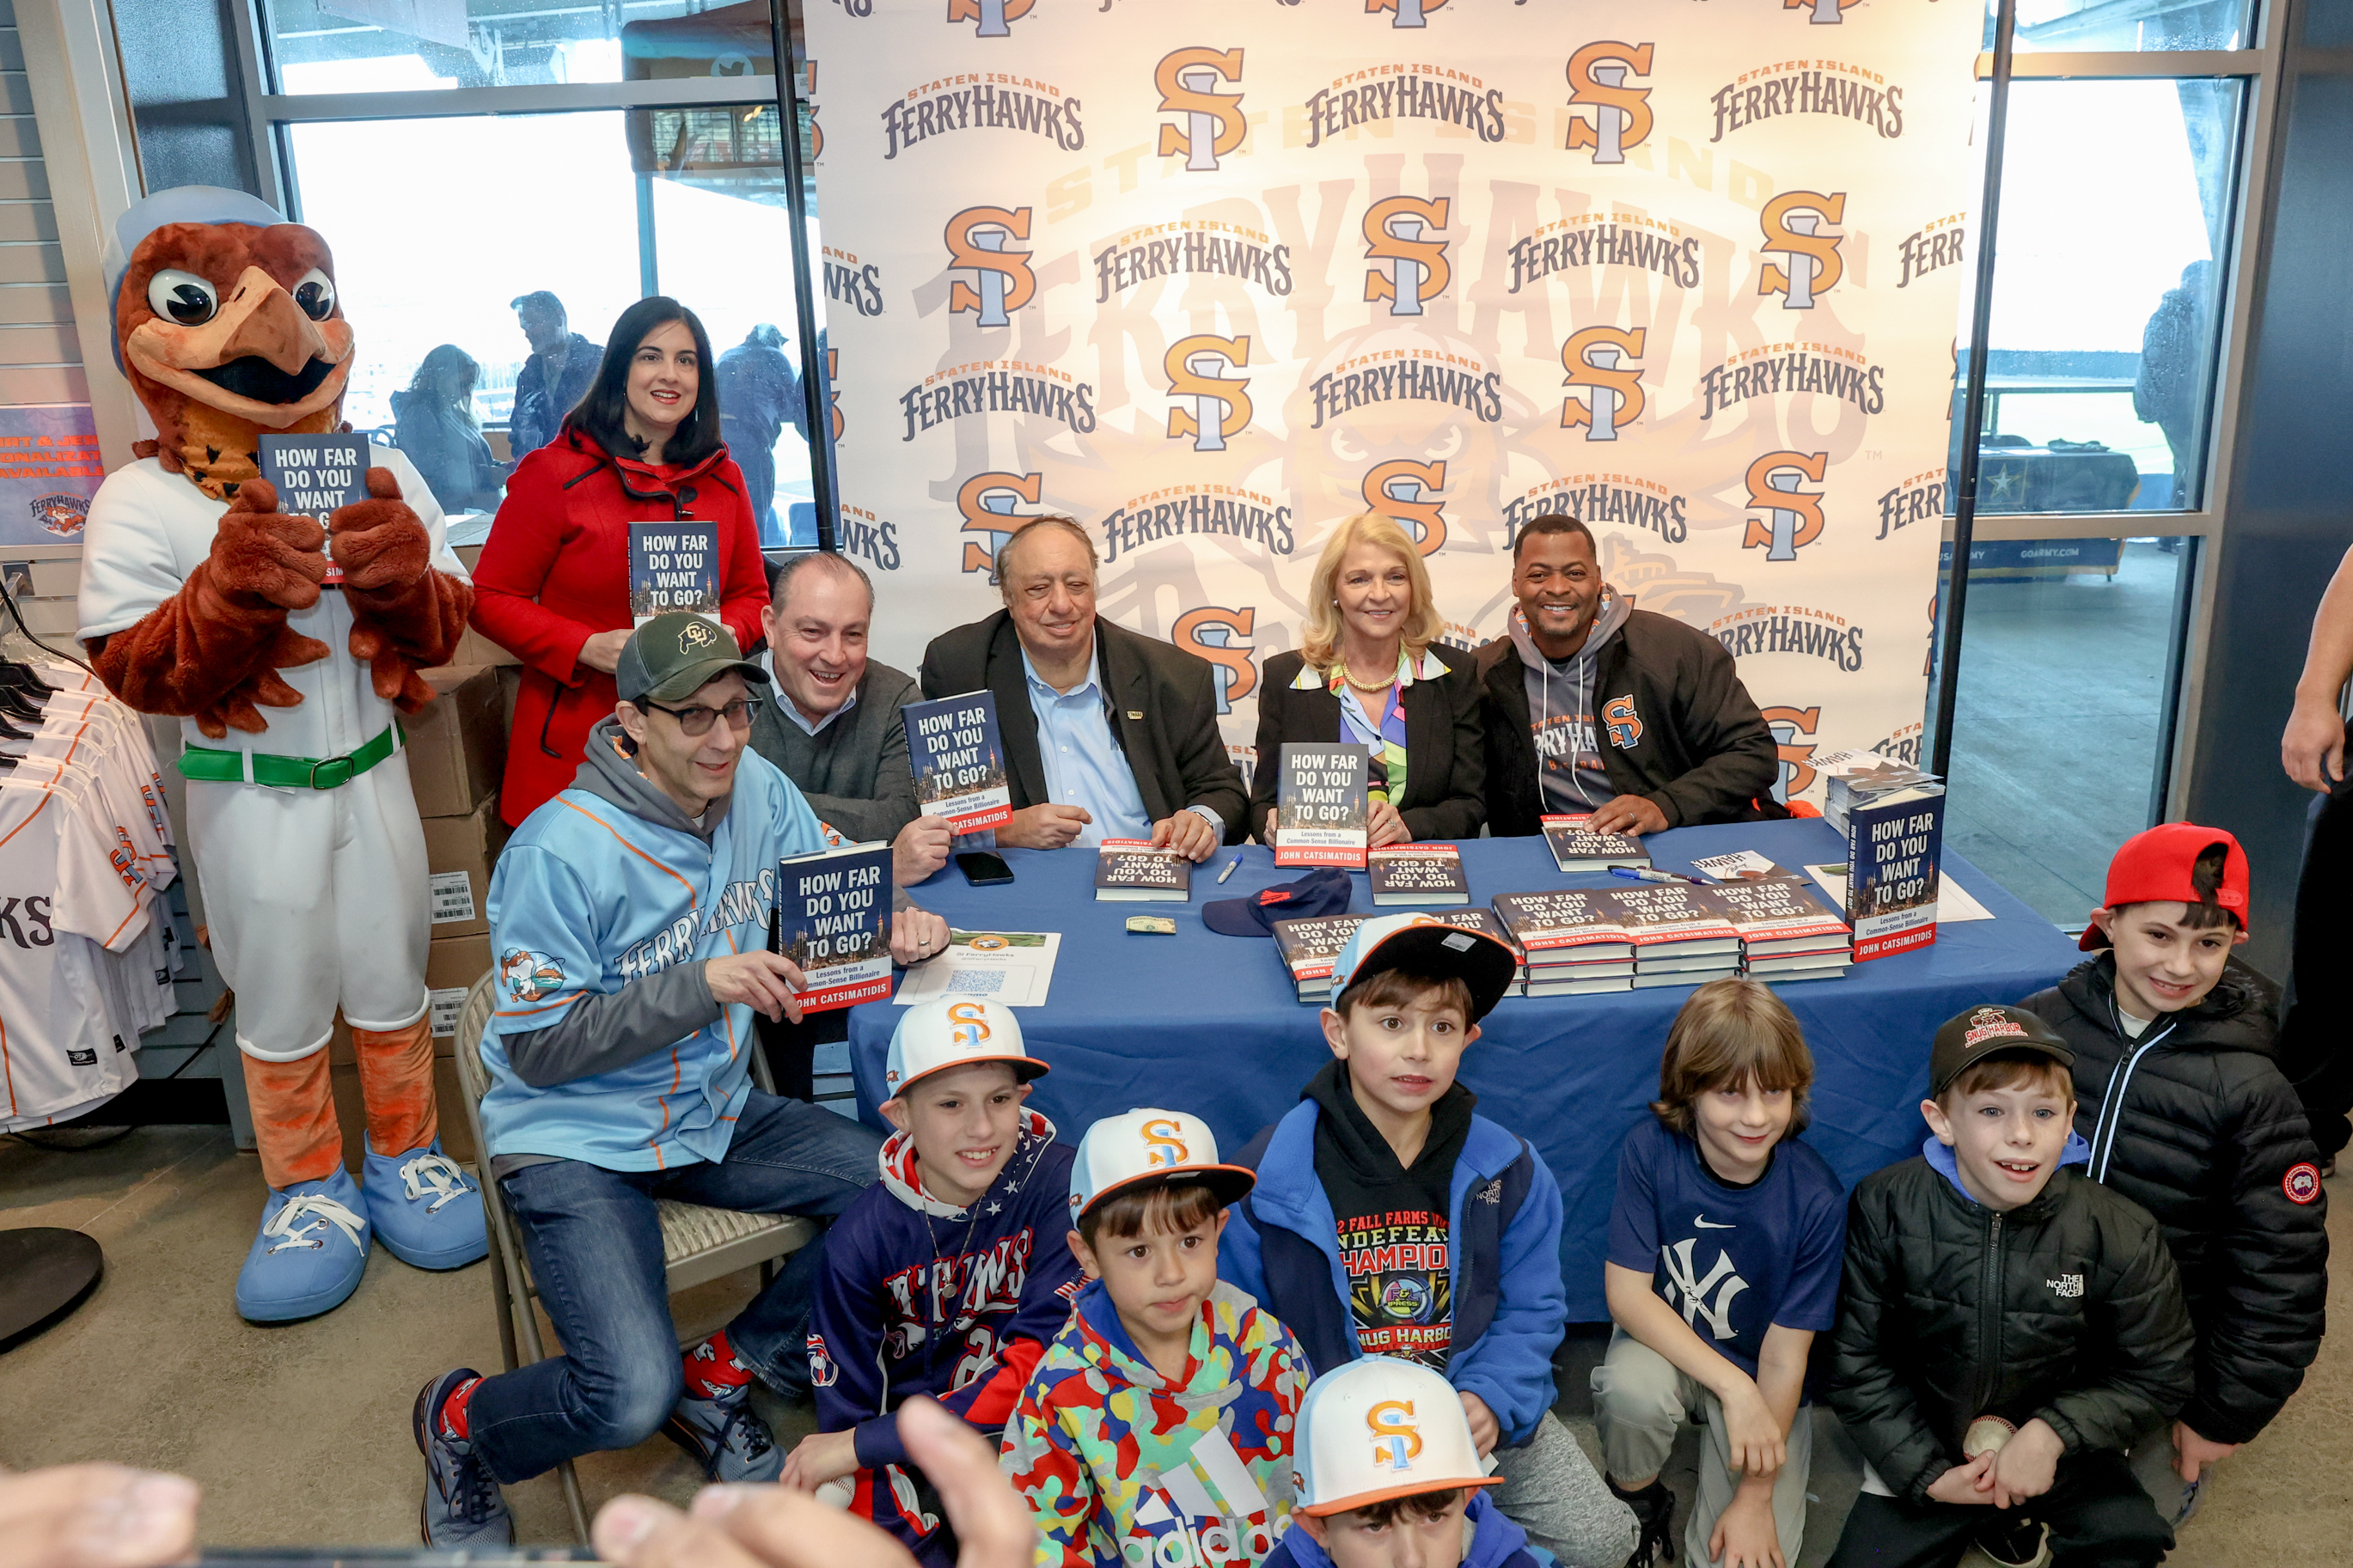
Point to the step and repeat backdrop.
(1210, 277)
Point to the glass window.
(395, 45)
(2116, 222)
(2074, 26)
(2049, 775)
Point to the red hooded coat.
(555, 571)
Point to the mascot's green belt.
(201, 600)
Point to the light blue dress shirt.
(1084, 766)
(790, 708)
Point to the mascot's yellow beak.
(260, 357)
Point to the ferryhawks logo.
(1191, 246)
(1793, 367)
(1820, 86)
(978, 100)
(992, 14)
(1811, 268)
(1382, 93)
(1211, 406)
(1164, 1143)
(1417, 269)
(1002, 282)
(1212, 123)
(1393, 373)
(999, 386)
(1206, 510)
(1791, 629)
(1625, 241)
(860, 288)
(1916, 500)
(1218, 634)
(1935, 247)
(862, 532)
(1406, 492)
(1603, 498)
(1788, 726)
(1613, 389)
(1625, 726)
(987, 502)
(1792, 518)
(1396, 1439)
(1621, 114)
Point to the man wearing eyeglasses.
(629, 922)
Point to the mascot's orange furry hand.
(212, 651)
(406, 616)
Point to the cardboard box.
(351, 1114)
(457, 745)
(458, 851)
(457, 961)
(474, 649)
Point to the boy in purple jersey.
(946, 1278)
(1722, 1263)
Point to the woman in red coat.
(553, 586)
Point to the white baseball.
(1986, 1435)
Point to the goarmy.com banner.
(1210, 277)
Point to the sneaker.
(462, 1509)
(1654, 1509)
(310, 1253)
(726, 1438)
(2014, 1543)
(426, 1211)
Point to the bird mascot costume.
(288, 650)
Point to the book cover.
(833, 921)
(1566, 926)
(959, 764)
(1576, 848)
(1740, 866)
(313, 475)
(1132, 871)
(1307, 947)
(1893, 848)
(1781, 915)
(1673, 918)
(1417, 875)
(1319, 806)
(673, 566)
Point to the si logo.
(992, 14)
(1212, 125)
(1787, 725)
(1211, 407)
(1624, 724)
(1214, 633)
(1417, 268)
(1811, 268)
(1614, 393)
(1409, 12)
(1164, 1143)
(987, 502)
(1395, 1438)
(1002, 279)
(1793, 517)
(967, 1025)
(1621, 114)
(1825, 12)
(1406, 492)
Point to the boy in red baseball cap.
(2188, 1114)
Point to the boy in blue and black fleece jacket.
(1390, 1220)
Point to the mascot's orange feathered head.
(227, 322)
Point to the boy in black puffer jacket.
(2004, 1327)
(2189, 1115)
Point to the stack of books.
(1681, 933)
(1130, 870)
(1852, 780)
(1571, 941)
(1786, 932)
(1576, 848)
(1307, 948)
(1416, 877)
(1484, 920)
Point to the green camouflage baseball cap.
(676, 655)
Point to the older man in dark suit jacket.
(1108, 733)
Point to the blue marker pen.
(1229, 868)
(1652, 874)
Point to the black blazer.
(1164, 709)
(1445, 763)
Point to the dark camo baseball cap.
(676, 655)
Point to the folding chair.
(698, 1244)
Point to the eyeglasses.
(696, 719)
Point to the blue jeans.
(596, 1250)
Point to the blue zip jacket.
(1503, 1228)
(1495, 1543)
(607, 902)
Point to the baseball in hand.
(1986, 1435)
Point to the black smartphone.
(983, 869)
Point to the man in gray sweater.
(831, 723)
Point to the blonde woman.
(1371, 672)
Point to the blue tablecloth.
(1210, 1023)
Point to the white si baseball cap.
(932, 1035)
(1428, 946)
(1151, 1146)
(1379, 1428)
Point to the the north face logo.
(1493, 1193)
(2068, 1286)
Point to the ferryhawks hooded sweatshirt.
(1123, 1468)
(917, 1296)
(1569, 769)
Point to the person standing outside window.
(555, 377)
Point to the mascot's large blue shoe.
(426, 1211)
(310, 1253)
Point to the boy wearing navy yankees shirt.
(950, 1277)
(1722, 1265)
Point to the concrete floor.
(300, 1433)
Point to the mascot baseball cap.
(676, 655)
(1324, 892)
(1427, 946)
(2154, 868)
(180, 203)
(931, 1035)
(1967, 1038)
(1378, 1428)
(1145, 1148)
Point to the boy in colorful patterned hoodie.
(1158, 1429)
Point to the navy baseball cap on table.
(1324, 892)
